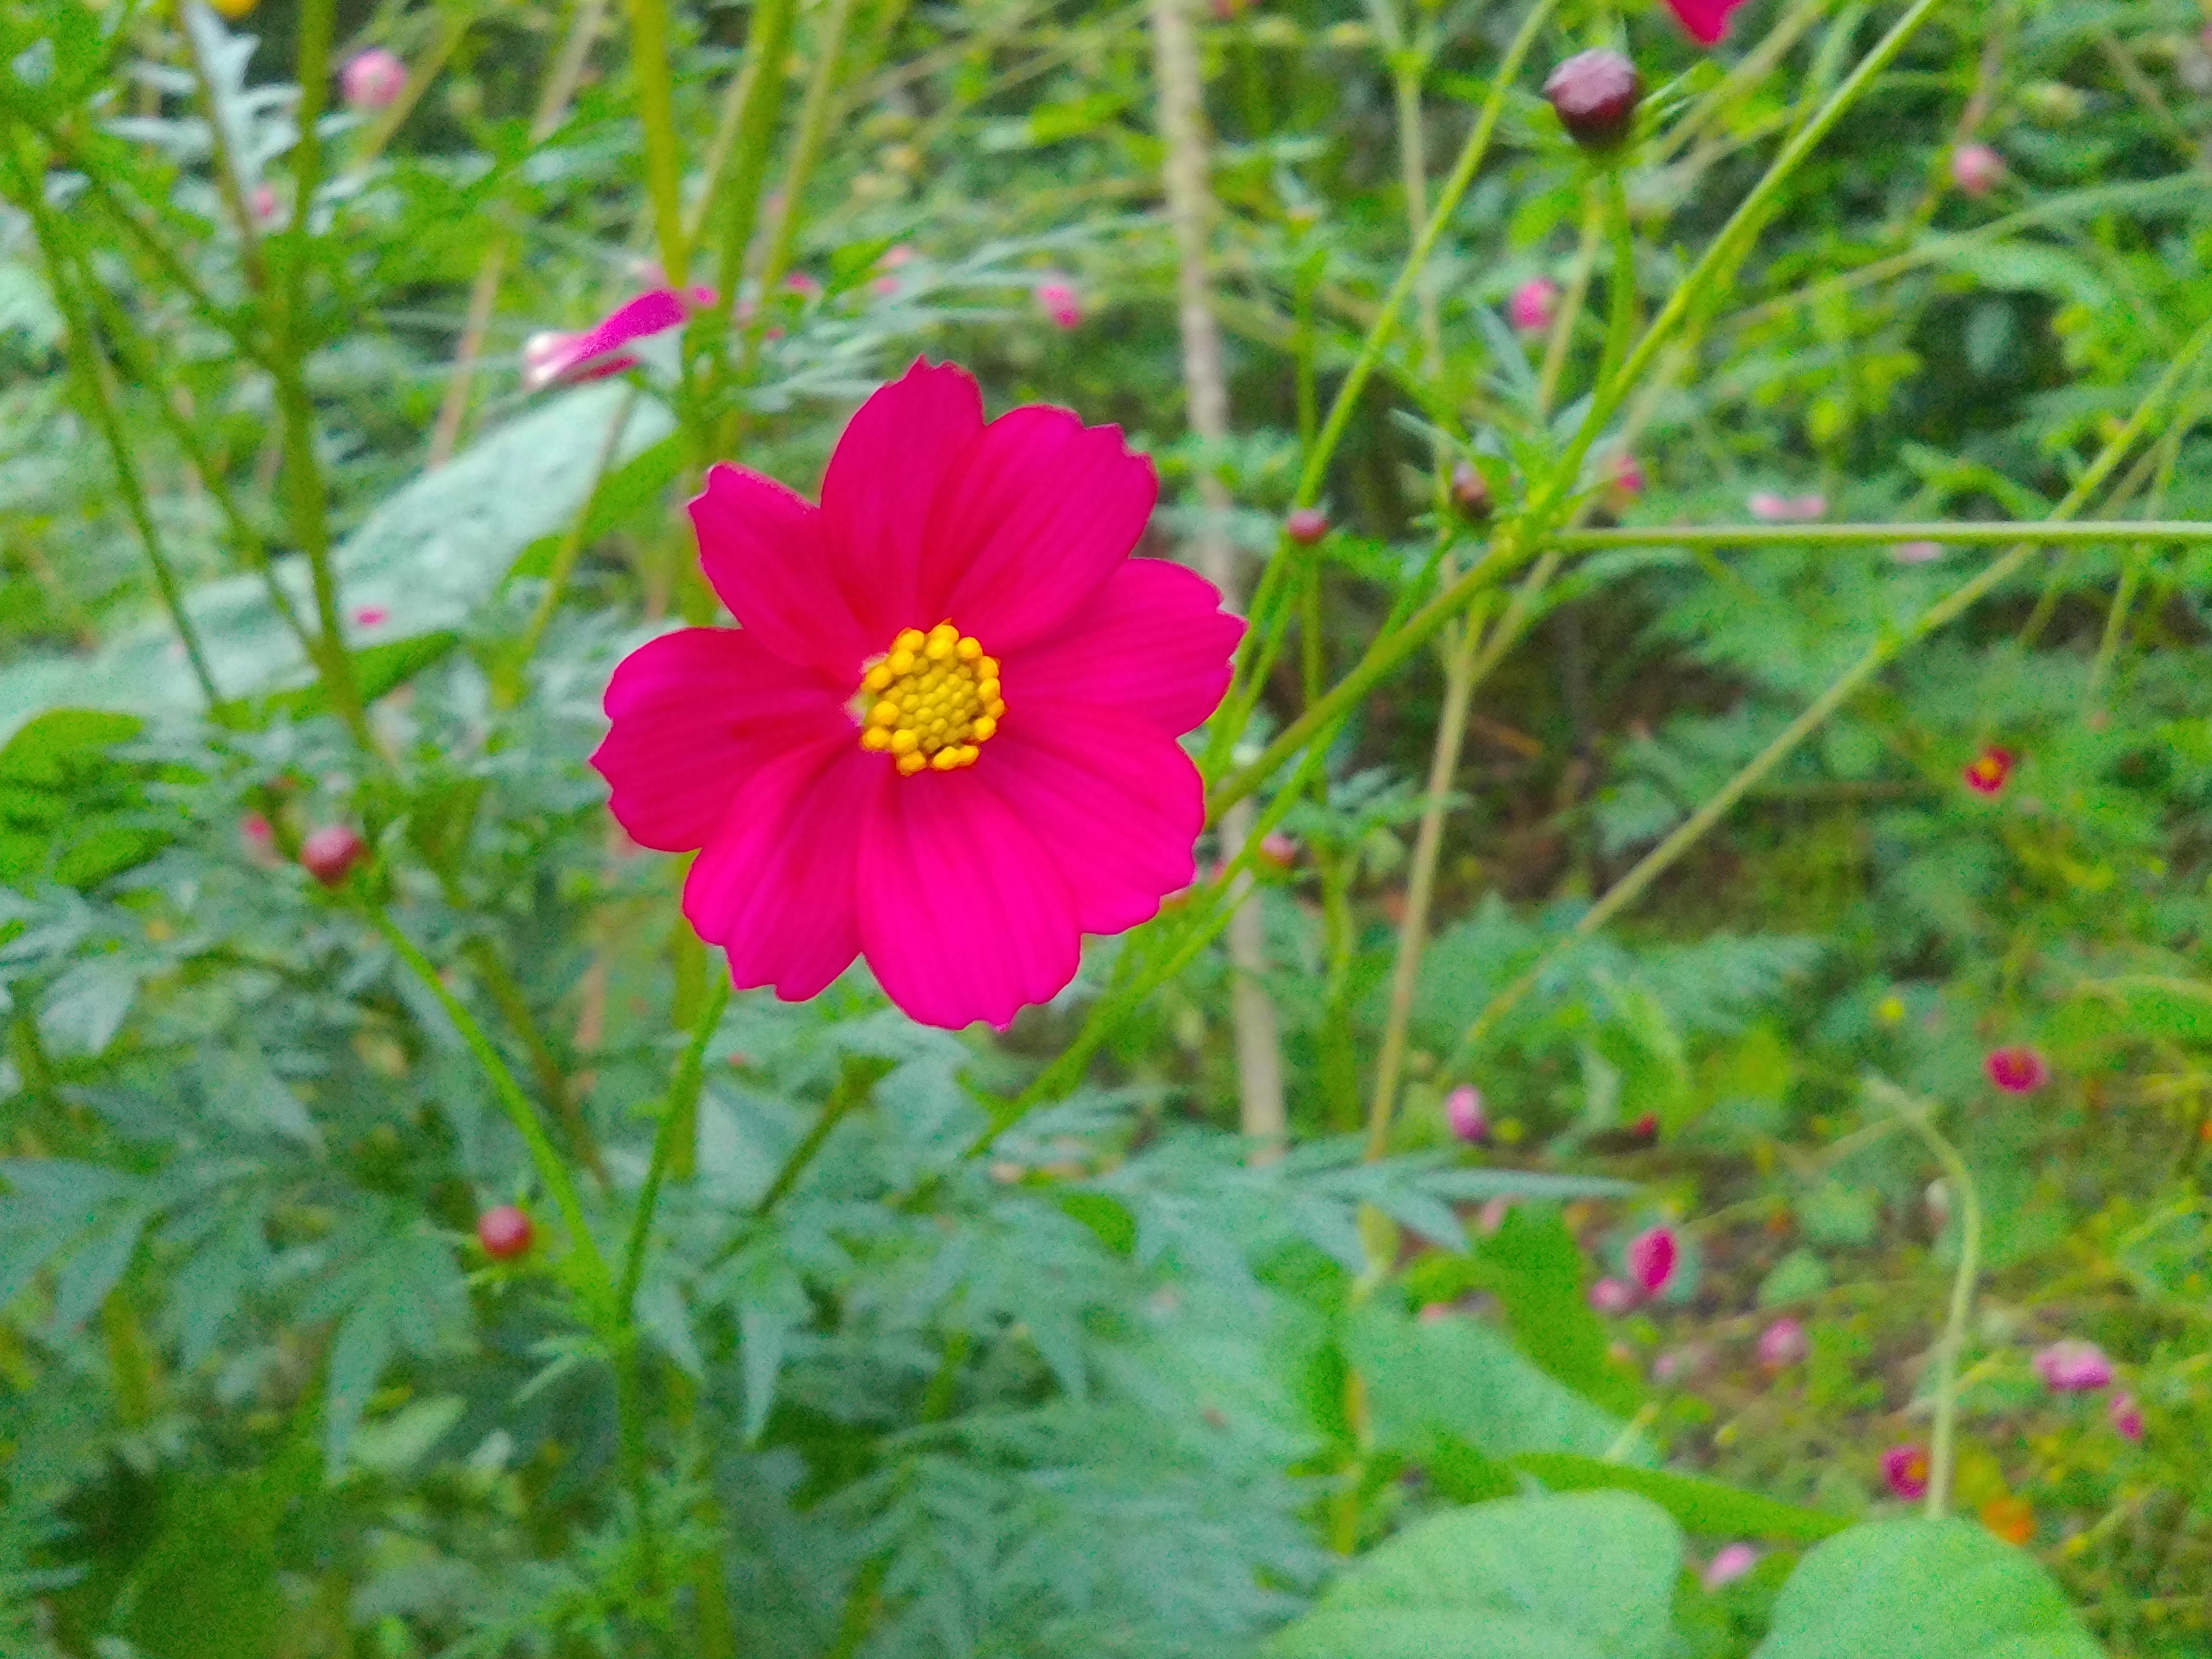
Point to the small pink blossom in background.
(1277, 851)
(1533, 304)
(1771, 508)
(1976, 169)
(1435, 1313)
(1057, 299)
(1917, 552)
(1906, 1469)
(371, 616)
(978, 568)
(1706, 20)
(1781, 1344)
(2126, 1416)
(1624, 480)
(258, 838)
(1652, 1255)
(1690, 1360)
(373, 80)
(2074, 1367)
(264, 203)
(1492, 1216)
(1463, 1111)
(798, 281)
(550, 358)
(1986, 773)
(2017, 1071)
(1729, 1564)
(1612, 1296)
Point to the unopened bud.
(1595, 94)
(330, 854)
(1306, 526)
(1470, 491)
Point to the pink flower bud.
(2074, 1367)
(2126, 1416)
(1306, 526)
(1624, 481)
(1986, 773)
(504, 1232)
(1976, 169)
(1463, 1111)
(1533, 304)
(373, 80)
(1277, 851)
(1612, 1295)
(2017, 1071)
(1652, 1255)
(1595, 94)
(1057, 299)
(330, 854)
(1906, 1469)
(1781, 1344)
(1729, 1564)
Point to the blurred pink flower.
(1612, 1296)
(2074, 1367)
(1906, 1469)
(1976, 169)
(1463, 1110)
(1917, 552)
(2126, 1416)
(1781, 1344)
(1986, 773)
(1770, 509)
(798, 281)
(259, 839)
(266, 205)
(2017, 1071)
(373, 80)
(1624, 480)
(1652, 1255)
(371, 616)
(1729, 1564)
(1277, 851)
(1057, 299)
(1533, 304)
(549, 358)
(1435, 1313)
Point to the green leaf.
(207, 1586)
(2146, 1005)
(1922, 1589)
(1711, 1508)
(1590, 1576)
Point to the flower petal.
(1706, 20)
(774, 885)
(875, 496)
(764, 550)
(636, 319)
(692, 713)
(1032, 519)
(1111, 799)
(1153, 643)
(962, 915)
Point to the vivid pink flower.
(598, 352)
(1976, 169)
(2074, 1367)
(1652, 1255)
(1057, 298)
(2017, 1071)
(1463, 1111)
(1533, 304)
(1781, 1344)
(944, 736)
(1730, 1563)
(2126, 1416)
(1986, 773)
(1612, 1296)
(373, 80)
(1706, 20)
(1906, 1469)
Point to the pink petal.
(1153, 643)
(774, 885)
(1110, 799)
(1032, 519)
(962, 915)
(1706, 20)
(693, 712)
(764, 550)
(887, 469)
(649, 313)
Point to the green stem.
(768, 42)
(805, 147)
(1620, 322)
(228, 183)
(679, 1109)
(552, 1079)
(1976, 533)
(648, 50)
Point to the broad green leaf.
(1711, 1508)
(1922, 1589)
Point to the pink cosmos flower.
(1976, 169)
(1463, 1111)
(1917, 552)
(1056, 297)
(2074, 1367)
(1652, 1255)
(1533, 304)
(373, 80)
(2017, 1071)
(2126, 1416)
(1612, 1296)
(1986, 773)
(1781, 1344)
(1706, 20)
(1730, 1563)
(598, 352)
(944, 736)
(1906, 1469)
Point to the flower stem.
(1967, 533)
(680, 1109)
(648, 50)
(767, 41)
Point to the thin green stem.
(678, 1109)
(1620, 322)
(805, 147)
(656, 98)
(1562, 334)
(230, 185)
(1964, 533)
(768, 41)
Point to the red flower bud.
(330, 854)
(1306, 525)
(1470, 490)
(504, 1232)
(1595, 94)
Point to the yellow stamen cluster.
(932, 702)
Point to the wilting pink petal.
(1906, 1469)
(1986, 773)
(1612, 1296)
(1463, 1111)
(1730, 1563)
(2126, 1416)
(2074, 1366)
(2017, 1071)
(1976, 169)
(1706, 20)
(1781, 1344)
(373, 80)
(1533, 304)
(1652, 1255)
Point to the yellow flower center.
(930, 702)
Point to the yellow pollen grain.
(930, 702)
